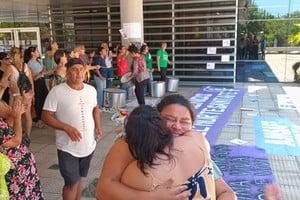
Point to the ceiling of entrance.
(37, 10)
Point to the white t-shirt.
(74, 107)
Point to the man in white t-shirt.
(71, 109)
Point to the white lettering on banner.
(277, 133)
(208, 116)
(199, 99)
(219, 89)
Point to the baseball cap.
(74, 61)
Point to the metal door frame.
(15, 33)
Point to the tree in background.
(284, 29)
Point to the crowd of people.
(251, 48)
(148, 162)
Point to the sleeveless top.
(5, 96)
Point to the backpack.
(23, 82)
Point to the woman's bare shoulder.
(195, 137)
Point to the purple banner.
(213, 106)
(246, 169)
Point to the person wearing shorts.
(69, 165)
(71, 109)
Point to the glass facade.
(276, 27)
(190, 28)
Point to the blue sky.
(278, 7)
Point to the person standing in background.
(18, 65)
(109, 72)
(122, 66)
(149, 64)
(5, 62)
(139, 73)
(99, 74)
(71, 109)
(38, 70)
(162, 61)
(48, 61)
(263, 43)
(59, 75)
(255, 47)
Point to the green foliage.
(294, 38)
(285, 29)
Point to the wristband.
(16, 94)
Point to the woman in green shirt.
(162, 61)
(149, 64)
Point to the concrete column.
(132, 21)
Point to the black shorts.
(72, 168)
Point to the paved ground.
(281, 65)
(285, 168)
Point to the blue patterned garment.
(197, 184)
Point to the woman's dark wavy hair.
(147, 136)
(133, 49)
(58, 55)
(176, 99)
(27, 53)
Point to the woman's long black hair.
(147, 136)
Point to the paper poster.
(123, 34)
(211, 50)
(210, 65)
(226, 43)
(132, 30)
(225, 58)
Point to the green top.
(163, 58)
(149, 61)
(49, 63)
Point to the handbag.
(23, 82)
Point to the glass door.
(19, 37)
(6, 40)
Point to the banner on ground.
(277, 135)
(213, 106)
(246, 169)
